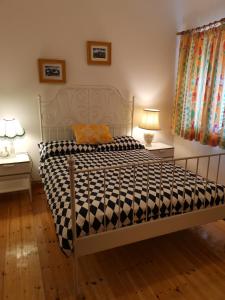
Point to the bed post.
(132, 116)
(40, 116)
(71, 161)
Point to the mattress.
(144, 195)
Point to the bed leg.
(77, 292)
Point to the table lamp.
(150, 121)
(10, 129)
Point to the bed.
(109, 195)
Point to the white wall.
(194, 13)
(143, 38)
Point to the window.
(199, 108)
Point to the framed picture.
(98, 53)
(52, 70)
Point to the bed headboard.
(85, 104)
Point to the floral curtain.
(199, 107)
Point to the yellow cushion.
(92, 134)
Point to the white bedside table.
(15, 174)
(161, 150)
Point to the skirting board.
(134, 233)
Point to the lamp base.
(4, 152)
(12, 152)
(148, 137)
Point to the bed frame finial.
(132, 115)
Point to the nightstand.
(161, 150)
(15, 174)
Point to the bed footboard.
(200, 168)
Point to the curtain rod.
(210, 25)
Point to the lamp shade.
(150, 119)
(10, 128)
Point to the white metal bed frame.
(86, 98)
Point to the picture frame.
(52, 70)
(99, 53)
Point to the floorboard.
(185, 265)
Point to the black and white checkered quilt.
(57, 148)
(149, 203)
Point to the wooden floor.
(184, 265)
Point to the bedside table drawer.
(10, 169)
(164, 153)
(15, 183)
(15, 173)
